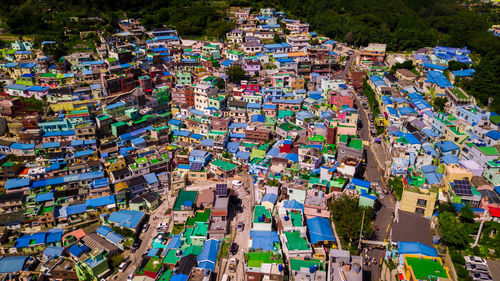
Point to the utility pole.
(483, 219)
(361, 230)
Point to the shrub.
(457, 258)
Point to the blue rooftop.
(319, 230)
(126, 218)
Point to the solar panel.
(221, 189)
(197, 167)
(462, 188)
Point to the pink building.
(341, 98)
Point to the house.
(418, 202)
(338, 260)
(200, 157)
(127, 219)
(311, 269)
(94, 267)
(144, 202)
(184, 206)
(320, 231)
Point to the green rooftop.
(200, 229)
(199, 217)
(356, 144)
(256, 259)
(226, 166)
(170, 257)
(154, 264)
(118, 124)
(184, 197)
(296, 264)
(165, 276)
(8, 164)
(317, 138)
(193, 249)
(141, 160)
(344, 138)
(296, 218)
(259, 212)
(296, 242)
(488, 150)
(289, 127)
(426, 268)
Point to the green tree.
(467, 214)
(452, 232)
(404, 65)
(115, 261)
(396, 185)
(220, 83)
(347, 216)
(235, 73)
(439, 103)
(446, 207)
(277, 39)
(226, 154)
(456, 65)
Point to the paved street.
(146, 239)
(375, 176)
(241, 238)
(347, 66)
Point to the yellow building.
(415, 201)
(455, 172)
(425, 268)
(298, 83)
(121, 186)
(115, 164)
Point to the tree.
(277, 39)
(349, 38)
(396, 185)
(235, 73)
(467, 214)
(348, 216)
(220, 83)
(226, 154)
(446, 207)
(439, 103)
(456, 65)
(406, 65)
(452, 233)
(116, 260)
(313, 41)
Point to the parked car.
(477, 268)
(234, 248)
(145, 227)
(123, 265)
(130, 276)
(480, 276)
(240, 226)
(474, 260)
(137, 244)
(237, 183)
(162, 226)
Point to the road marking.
(389, 225)
(391, 200)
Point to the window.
(419, 211)
(422, 202)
